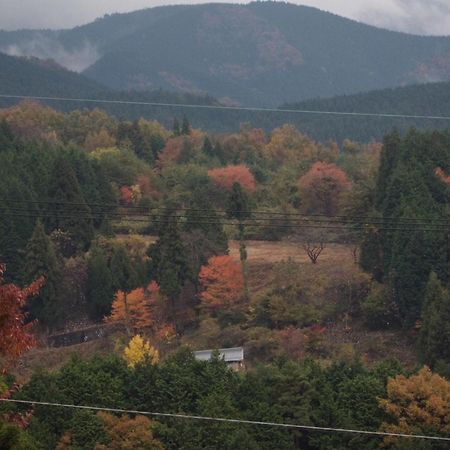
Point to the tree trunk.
(243, 258)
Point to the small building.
(234, 357)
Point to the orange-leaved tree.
(321, 188)
(441, 174)
(225, 177)
(128, 432)
(222, 282)
(15, 334)
(144, 309)
(419, 404)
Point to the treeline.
(343, 395)
(411, 259)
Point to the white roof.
(235, 354)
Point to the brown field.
(270, 252)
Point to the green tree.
(238, 208)
(168, 264)
(202, 237)
(124, 276)
(68, 210)
(100, 290)
(41, 261)
(185, 126)
(434, 339)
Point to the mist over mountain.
(263, 53)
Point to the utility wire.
(228, 420)
(103, 206)
(247, 222)
(225, 108)
(346, 220)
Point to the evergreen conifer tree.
(168, 264)
(41, 261)
(434, 340)
(100, 289)
(124, 276)
(185, 126)
(238, 207)
(176, 127)
(202, 237)
(69, 211)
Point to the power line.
(144, 209)
(249, 222)
(228, 420)
(226, 108)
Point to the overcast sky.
(415, 16)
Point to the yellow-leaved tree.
(139, 351)
(419, 404)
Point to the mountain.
(432, 99)
(33, 76)
(263, 53)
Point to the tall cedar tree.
(100, 289)
(202, 239)
(41, 261)
(168, 264)
(238, 207)
(434, 340)
(68, 211)
(408, 188)
(185, 126)
(124, 277)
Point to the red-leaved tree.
(222, 282)
(321, 188)
(225, 177)
(15, 334)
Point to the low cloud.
(411, 16)
(77, 59)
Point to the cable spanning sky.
(430, 17)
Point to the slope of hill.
(264, 53)
(32, 76)
(432, 99)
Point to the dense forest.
(46, 79)
(152, 232)
(262, 53)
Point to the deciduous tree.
(15, 333)
(419, 404)
(222, 282)
(321, 188)
(226, 177)
(139, 351)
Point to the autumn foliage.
(225, 177)
(139, 351)
(222, 282)
(441, 174)
(15, 334)
(128, 433)
(321, 188)
(146, 309)
(419, 404)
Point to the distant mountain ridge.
(262, 54)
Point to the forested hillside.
(33, 76)
(262, 54)
(327, 263)
(44, 78)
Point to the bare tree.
(313, 250)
